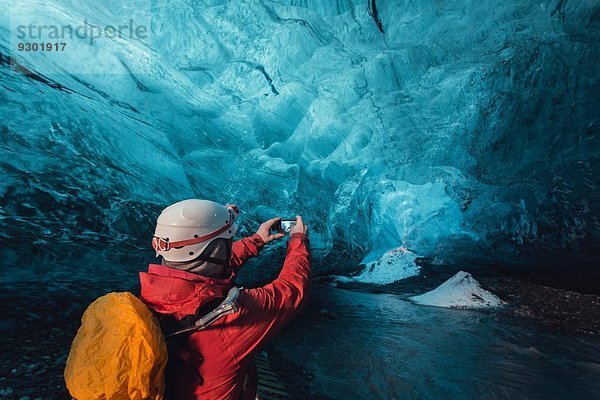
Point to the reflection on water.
(380, 346)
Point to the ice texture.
(460, 291)
(461, 130)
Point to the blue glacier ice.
(463, 131)
(414, 136)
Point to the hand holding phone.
(267, 230)
(299, 227)
(284, 225)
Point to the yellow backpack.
(119, 352)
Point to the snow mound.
(392, 266)
(460, 291)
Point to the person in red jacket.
(199, 263)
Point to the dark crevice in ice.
(30, 74)
(105, 95)
(139, 84)
(375, 14)
(261, 69)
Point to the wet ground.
(567, 311)
(363, 345)
(39, 321)
(358, 342)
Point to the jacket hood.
(169, 291)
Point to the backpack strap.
(226, 307)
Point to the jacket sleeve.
(244, 249)
(264, 311)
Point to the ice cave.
(417, 139)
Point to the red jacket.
(217, 359)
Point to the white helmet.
(184, 229)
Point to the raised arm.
(244, 249)
(264, 311)
(249, 247)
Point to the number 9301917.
(42, 46)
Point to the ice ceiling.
(461, 130)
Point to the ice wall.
(461, 130)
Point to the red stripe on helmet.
(163, 244)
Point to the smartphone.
(283, 225)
